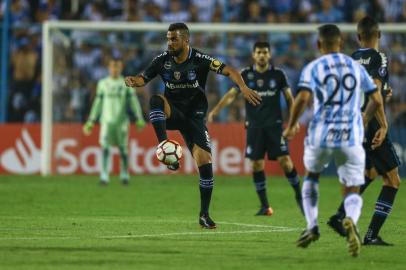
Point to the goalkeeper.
(111, 106)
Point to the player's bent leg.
(206, 183)
(310, 194)
(159, 112)
(353, 205)
(259, 180)
(291, 174)
(383, 207)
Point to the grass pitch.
(72, 223)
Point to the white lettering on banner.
(84, 160)
(72, 157)
(135, 151)
(230, 160)
(62, 153)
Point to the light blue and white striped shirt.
(337, 83)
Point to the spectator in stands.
(328, 13)
(176, 12)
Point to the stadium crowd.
(78, 64)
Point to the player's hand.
(130, 81)
(211, 115)
(388, 94)
(87, 128)
(140, 124)
(378, 138)
(290, 132)
(251, 96)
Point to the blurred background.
(78, 66)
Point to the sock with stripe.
(206, 187)
(310, 194)
(383, 207)
(260, 186)
(157, 117)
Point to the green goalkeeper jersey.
(113, 101)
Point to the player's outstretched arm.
(299, 106)
(135, 81)
(226, 100)
(250, 95)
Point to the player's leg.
(160, 110)
(259, 179)
(123, 150)
(335, 221)
(255, 151)
(315, 159)
(383, 207)
(105, 142)
(291, 174)
(350, 162)
(206, 182)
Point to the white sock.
(310, 195)
(353, 205)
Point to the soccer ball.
(169, 152)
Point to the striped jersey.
(337, 83)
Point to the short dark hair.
(368, 28)
(182, 27)
(329, 34)
(261, 44)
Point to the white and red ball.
(169, 152)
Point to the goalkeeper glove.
(87, 128)
(140, 124)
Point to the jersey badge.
(191, 75)
(382, 71)
(167, 65)
(272, 83)
(176, 75)
(250, 75)
(260, 83)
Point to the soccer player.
(264, 122)
(111, 105)
(183, 106)
(334, 82)
(381, 160)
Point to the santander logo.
(24, 157)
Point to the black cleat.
(308, 236)
(206, 222)
(103, 183)
(125, 182)
(265, 211)
(378, 241)
(336, 223)
(174, 166)
(353, 238)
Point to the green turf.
(72, 223)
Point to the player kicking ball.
(264, 122)
(183, 106)
(335, 83)
(111, 108)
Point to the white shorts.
(350, 162)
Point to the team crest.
(167, 65)
(382, 71)
(176, 75)
(191, 75)
(260, 83)
(250, 75)
(272, 83)
(215, 65)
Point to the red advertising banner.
(74, 153)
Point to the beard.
(175, 52)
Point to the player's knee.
(392, 179)
(201, 156)
(257, 165)
(156, 102)
(286, 163)
(371, 173)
